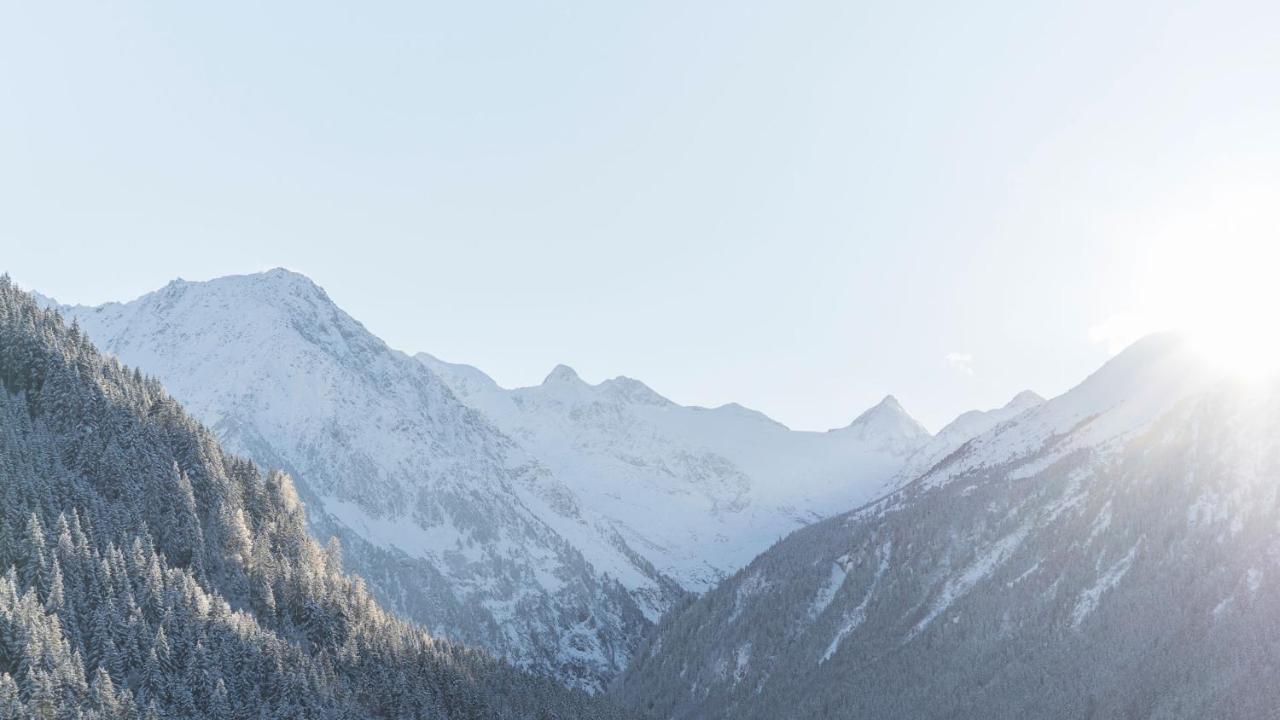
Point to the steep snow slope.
(1109, 553)
(444, 515)
(959, 431)
(150, 574)
(698, 492)
(549, 524)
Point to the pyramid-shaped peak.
(889, 402)
(562, 374)
(888, 415)
(888, 407)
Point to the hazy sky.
(799, 206)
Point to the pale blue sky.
(799, 206)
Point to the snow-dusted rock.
(697, 492)
(443, 514)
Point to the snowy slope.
(959, 431)
(698, 492)
(443, 514)
(153, 575)
(550, 524)
(1108, 553)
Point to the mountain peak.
(561, 374)
(887, 408)
(887, 421)
(1025, 399)
(634, 391)
(259, 286)
(1158, 367)
(285, 279)
(889, 402)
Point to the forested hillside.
(149, 574)
(1111, 553)
(452, 524)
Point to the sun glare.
(1214, 275)
(1224, 293)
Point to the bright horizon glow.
(798, 207)
(1212, 273)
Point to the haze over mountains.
(1106, 553)
(551, 525)
(1109, 553)
(698, 492)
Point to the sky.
(799, 206)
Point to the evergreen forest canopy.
(148, 574)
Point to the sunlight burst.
(1212, 273)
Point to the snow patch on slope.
(855, 617)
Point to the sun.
(1214, 276)
(1224, 293)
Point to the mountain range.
(151, 574)
(552, 525)
(1109, 553)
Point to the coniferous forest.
(148, 574)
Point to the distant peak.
(743, 411)
(634, 391)
(281, 273)
(273, 280)
(562, 374)
(1025, 399)
(285, 276)
(887, 407)
(890, 402)
(889, 413)
(44, 301)
(888, 427)
(277, 281)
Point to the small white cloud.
(960, 361)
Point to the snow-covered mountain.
(551, 524)
(150, 574)
(449, 521)
(967, 426)
(1109, 553)
(698, 492)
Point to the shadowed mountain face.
(1110, 553)
(152, 575)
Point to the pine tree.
(104, 698)
(34, 570)
(219, 707)
(10, 703)
(151, 680)
(43, 701)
